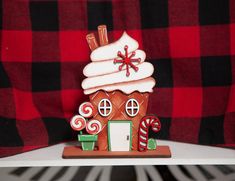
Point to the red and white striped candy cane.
(145, 123)
(93, 126)
(77, 123)
(86, 109)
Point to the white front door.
(119, 135)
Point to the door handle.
(127, 137)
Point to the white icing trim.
(144, 85)
(145, 70)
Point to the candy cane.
(86, 109)
(78, 123)
(145, 123)
(93, 126)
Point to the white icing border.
(144, 85)
(145, 70)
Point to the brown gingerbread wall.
(118, 100)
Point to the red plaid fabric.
(43, 51)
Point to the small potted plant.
(93, 127)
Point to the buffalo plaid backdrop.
(43, 51)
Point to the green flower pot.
(88, 141)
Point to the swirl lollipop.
(86, 109)
(78, 123)
(93, 126)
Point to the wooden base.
(77, 152)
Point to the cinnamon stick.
(91, 40)
(103, 36)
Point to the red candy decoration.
(145, 123)
(93, 126)
(86, 109)
(127, 60)
(78, 123)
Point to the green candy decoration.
(152, 144)
(87, 141)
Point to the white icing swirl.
(103, 74)
(109, 51)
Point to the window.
(105, 107)
(132, 107)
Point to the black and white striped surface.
(117, 173)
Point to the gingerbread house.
(118, 84)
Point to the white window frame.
(132, 107)
(105, 107)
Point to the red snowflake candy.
(127, 60)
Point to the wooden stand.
(76, 152)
